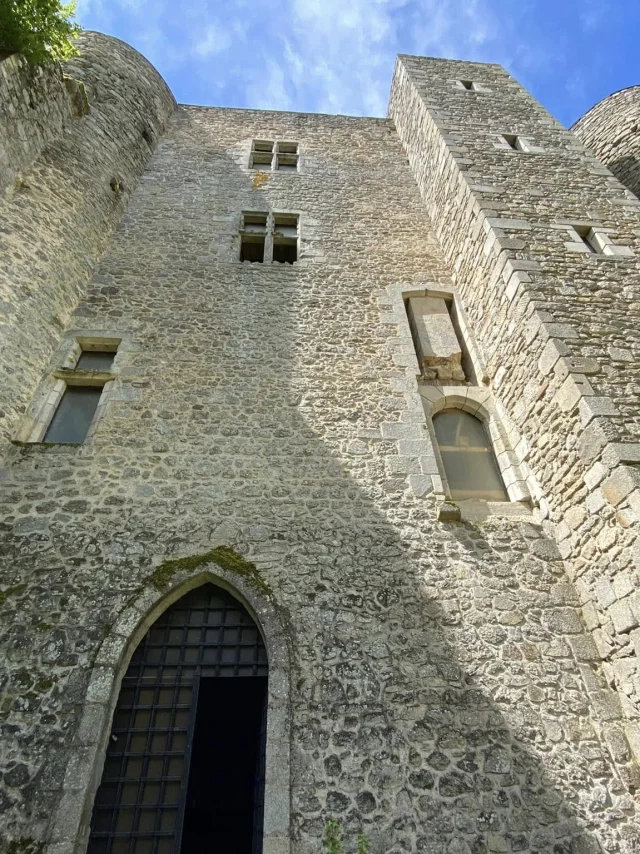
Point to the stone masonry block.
(553, 350)
(622, 616)
(592, 407)
(571, 391)
(620, 483)
(595, 475)
(618, 452)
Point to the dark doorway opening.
(224, 777)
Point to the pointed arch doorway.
(184, 770)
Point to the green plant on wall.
(333, 839)
(41, 30)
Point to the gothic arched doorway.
(184, 770)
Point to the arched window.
(184, 771)
(469, 463)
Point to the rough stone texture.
(35, 108)
(445, 695)
(437, 345)
(611, 130)
(558, 329)
(57, 218)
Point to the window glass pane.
(74, 414)
(95, 360)
(469, 462)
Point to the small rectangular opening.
(285, 253)
(252, 249)
(287, 159)
(467, 84)
(512, 141)
(261, 155)
(95, 360)
(253, 236)
(285, 225)
(72, 419)
(285, 238)
(586, 234)
(287, 163)
(255, 222)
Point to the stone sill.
(60, 447)
(478, 510)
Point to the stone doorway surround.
(69, 829)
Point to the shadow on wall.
(436, 702)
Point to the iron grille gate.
(140, 804)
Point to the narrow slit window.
(287, 157)
(253, 237)
(587, 236)
(261, 155)
(470, 465)
(467, 84)
(285, 238)
(512, 141)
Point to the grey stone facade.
(452, 687)
(611, 130)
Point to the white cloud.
(334, 56)
(211, 41)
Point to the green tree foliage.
(41, 30)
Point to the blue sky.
(337, 56)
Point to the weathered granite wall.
(558, 324)
(611, 130)
(35, 107)
(77, 172)
(445, 696)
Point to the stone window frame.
(521, 144)
(480, 403)
(451, 296)
(474, 85)
(71, 821)
(35, 424)
(269, 238)
(413, 435)
(592, 239)
(276, 154)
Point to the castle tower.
(611, 130)
(319, 476)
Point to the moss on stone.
(223, 556)
(24, 845)
(14, 590)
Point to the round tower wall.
(611, 130)
(78, 136)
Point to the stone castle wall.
(68, 176)
(35, 108)
(558, 327)
(445, 696)
(611, 130)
